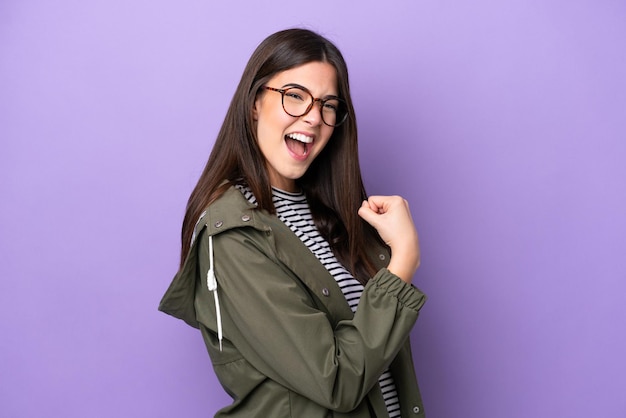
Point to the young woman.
(299, 282)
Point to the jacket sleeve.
(271, 318)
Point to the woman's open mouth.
(299, 144)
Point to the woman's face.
(290, 144)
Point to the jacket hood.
(231, 210)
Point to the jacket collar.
(231, 210)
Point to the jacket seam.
(225, 363)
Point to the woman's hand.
(391, 217)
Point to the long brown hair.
(333, 183)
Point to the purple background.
(503, 123)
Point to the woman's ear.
(255, 112)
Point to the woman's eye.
(330, 106)
(294, 95)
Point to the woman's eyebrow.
(295, 85)
(328, 96)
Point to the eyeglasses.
(298, 101)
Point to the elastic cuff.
(407, 294)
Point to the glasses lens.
(297, 102)
(333, 112)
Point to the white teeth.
(301, 138)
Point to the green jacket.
(292, 347)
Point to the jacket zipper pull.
(211, 281)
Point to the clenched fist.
(391, 217)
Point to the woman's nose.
(314, 115)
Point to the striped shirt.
(293, 210)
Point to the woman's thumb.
(367, 213)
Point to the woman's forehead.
(315, 76)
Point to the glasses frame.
(310, 106)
